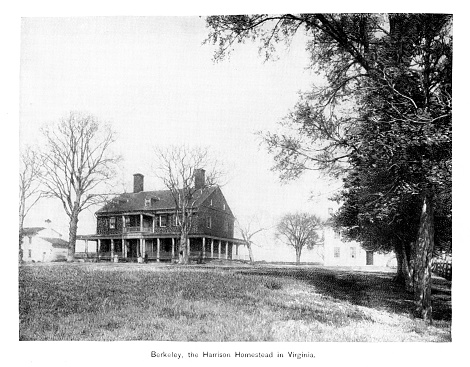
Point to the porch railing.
(137, 229)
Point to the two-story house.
(43, 244)
(337, 251)
(144, 224)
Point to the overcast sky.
(156, 83)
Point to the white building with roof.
(43, 244)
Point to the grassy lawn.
(85, 301)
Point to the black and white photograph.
(243, 186)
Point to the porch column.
(141, 222)
(153, 224)
(158, 249)
(226, 249)
(144, 247)
(123, 224)
(212, 247)
(112, 249)
(98, 248)
(124, 248)
(220, 249)
(172, 247)
(141, 240)
(203, 247)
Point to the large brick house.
(144, 224)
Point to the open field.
(221, 302)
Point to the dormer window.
(211, 202)
(112, 222)
(148, 202)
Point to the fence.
(442, 267)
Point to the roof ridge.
(130, 201)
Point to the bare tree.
(77, 162)
(248, 232)
(177, 167)
(29, 187)
(299, 230)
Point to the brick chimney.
(199, 178)
(138, 182)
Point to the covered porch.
(152, 248)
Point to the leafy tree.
(299, 230)
(77, 162)
(177, 167)
(385, 110)
(29, 187)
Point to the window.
(175, 220)
(128, 221)
(226, 225)
(353, 252)
(337, 251)
(211, 202)
(30, 239)
(209, 222)
(147, 202)
(163, 220)
(29, 252)
(224, 206)
(112, 222)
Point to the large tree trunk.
(400, 275)
(408, 265)
(20, 229)
(297, 256)
(183, 256)
(404, 274)
(20, 239)
(250, 252)
(423, 261)
(72, 236)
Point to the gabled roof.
(32, 231)
(163, 199)
(56, 242)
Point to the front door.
(132, 249)
(369, 257)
